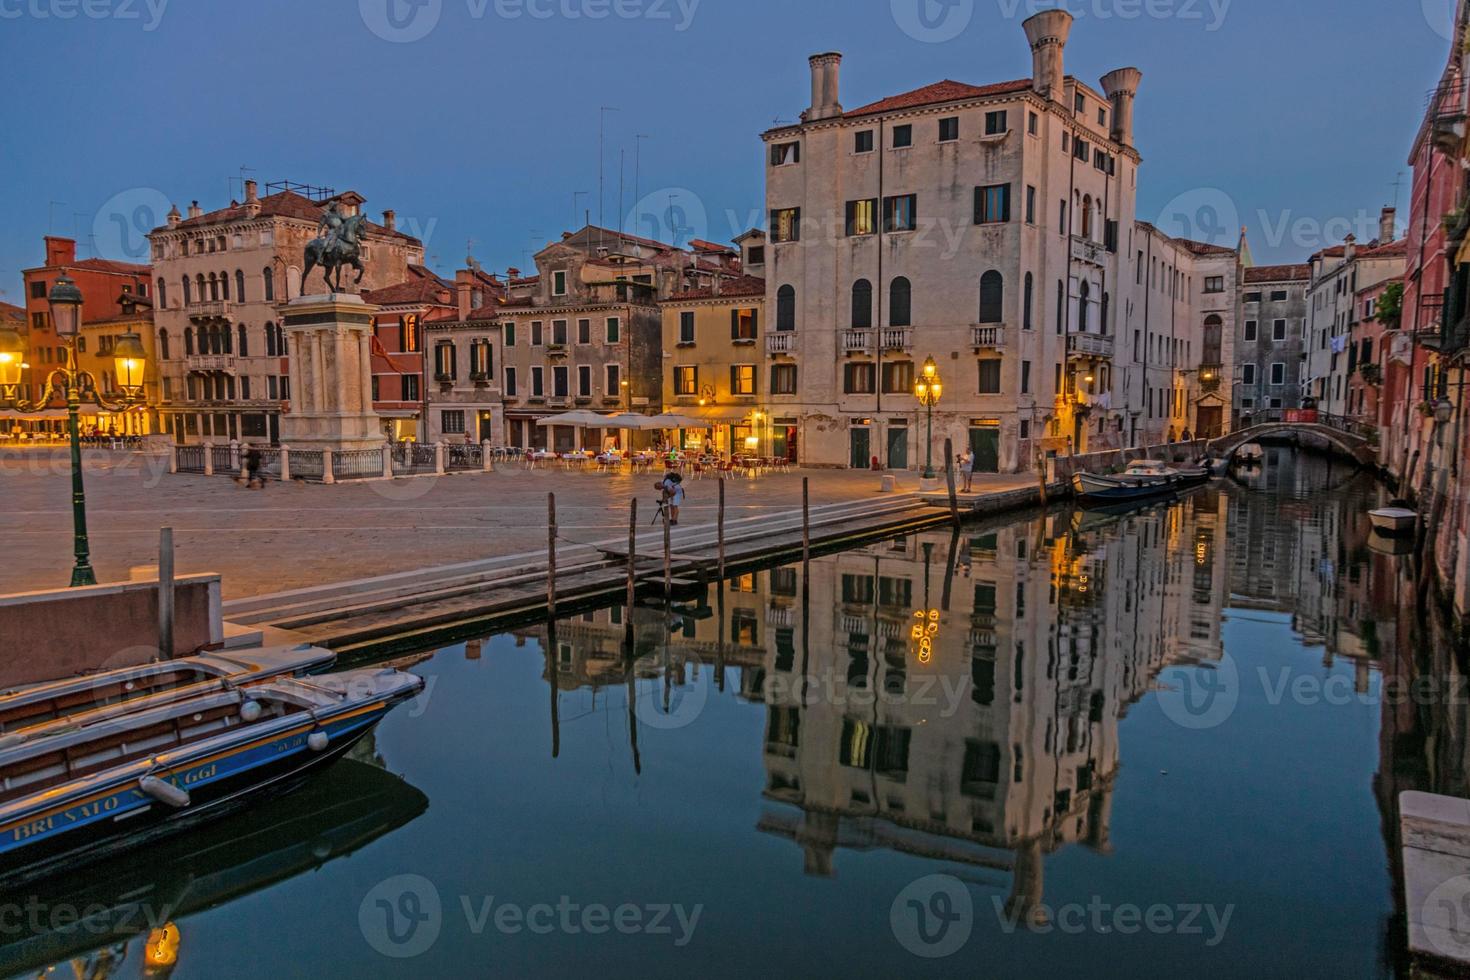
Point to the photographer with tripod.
(671, 495)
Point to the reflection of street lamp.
(1444, 410)
(129, 362)
(928, 390)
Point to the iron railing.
(224, 459)
(356, 464)
(468, 457)
(414, 457)
(190, 458)
(306, 464)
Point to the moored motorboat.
(184, 677)
(1142, 479)
(82, 791)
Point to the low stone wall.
(50, 635)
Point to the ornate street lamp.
(928, 390)
(76, 385)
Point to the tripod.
(662, 510)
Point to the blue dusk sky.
(478, 119)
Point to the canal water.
(1155, 744)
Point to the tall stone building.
(1271, 350)
(219, 280)
(991, 227)
(1338, 273)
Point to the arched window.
(1214, 334)
(786, 308)
(199, 282)
(1102, 326)
(862, 304)
(162, 295)
(188, 340)
(992, 297)
(243, 347)
(1083, 292)
(188, 298)
(1026, 310)
(270, 286)
(1061, 306)
(224, 285)
(1087, 216)
(239, 286)
(900, 296)
(270, 340)
(163, 344)
(225, 340)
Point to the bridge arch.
(1348, 444)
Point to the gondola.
(79, 792)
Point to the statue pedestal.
(329, 338)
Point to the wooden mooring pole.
(632, 570)
(166, 593)
(806, 524)
(720, 527)
(954, 504)
(668, 559)
(551, 555)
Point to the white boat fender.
(250, 711)
(164, 791)
(317, 741)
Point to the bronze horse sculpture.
(340, 247)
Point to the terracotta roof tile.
(12, 313)
(945, 91)
(1203, 248)
(108, 265)
(735, 287)
(286, 204)
(1278, 273)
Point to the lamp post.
(928, 390)
(76, 386)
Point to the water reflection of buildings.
(956, 698)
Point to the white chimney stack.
(1048, 32)
(1386, 225)
(1121, 87)
(826, 68)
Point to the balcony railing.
(1445, 108)
(781, 342)
(1084, 250)
(210, 363)
(1090, 345)
(857, 341)
(209, 308)
(896, 338)
(987, 336)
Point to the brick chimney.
(194, 209)
(60, 251)
(1350, 248)
(826, 69)
(1048, 32)
(1121, 87)
(252, 198)
(390, 220)
(464, 284)
(1386, 230)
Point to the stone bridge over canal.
(1331, 433)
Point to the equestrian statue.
(338, 244)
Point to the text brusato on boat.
(70, 791)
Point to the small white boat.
(1393, 520)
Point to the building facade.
(713, 367)
(398, 364)
(1334, 316)
(116, 298)
(993, 229)
(220, 279)
(1270, 357)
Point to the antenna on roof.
(601, 124)
(51, 216)
(76, 231)
(1398, 185)
(637, 167)
(575, 209)
(241, 178)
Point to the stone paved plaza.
(296, 535)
